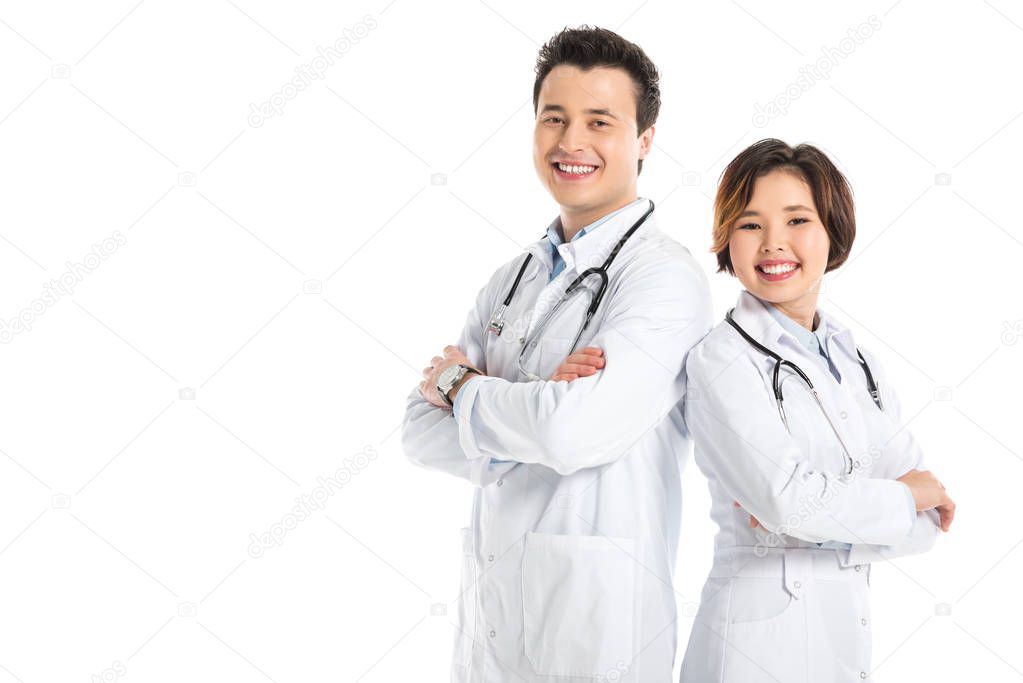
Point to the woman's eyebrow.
(787, 209)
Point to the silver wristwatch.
(449, 378)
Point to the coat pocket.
(765, 637)
(578, 603)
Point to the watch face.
(447, 378)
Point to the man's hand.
(582, 363)
(438, 364)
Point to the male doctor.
(568, 563)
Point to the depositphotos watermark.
(325, 58)
(311, 502)
(110, 674)
(53, 290)
(811, 74)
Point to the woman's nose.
(772, 241)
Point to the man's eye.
(552, 119)
(602, 123)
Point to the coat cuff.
(481, 469)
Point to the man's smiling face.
(586, 147)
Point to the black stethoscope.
(497, 322)
(779, 362)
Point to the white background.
(296, 275)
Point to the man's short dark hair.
(590, 47)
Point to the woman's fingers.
(946, 513)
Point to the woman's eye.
(749, 226)
(799, 221)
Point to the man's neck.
(572, 222)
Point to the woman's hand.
(582, 363)
(929, 494)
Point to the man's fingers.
(577, 369)
(583, 359)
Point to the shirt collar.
(811, 341)
(593, 248)
(554, 230)
(762, 322)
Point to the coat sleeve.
(741, 441)
(429, 434)
(653, 319)
(900, 454)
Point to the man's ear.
(646, 141)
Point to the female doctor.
(806, 494)
(807, 490)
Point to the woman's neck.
(802, 310)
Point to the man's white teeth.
(778, 269)
(576, 169)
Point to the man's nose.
(574, 138)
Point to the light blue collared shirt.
(815, 342)
(554, 236)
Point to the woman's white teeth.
(576, 169)
(778, 269)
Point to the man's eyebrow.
(595, 112)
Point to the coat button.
(844, 414)
(858, 567)
(500, 482)
(490, 557)
(863, 674)
(797, 584)
(493, 633)
(863, 621)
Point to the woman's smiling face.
(778, 245)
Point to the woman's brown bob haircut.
(831, 195)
